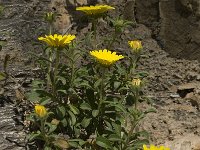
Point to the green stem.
(137, 58)
(101, 101)
(72, 60)
(113, 40)
(50, 28)
(49, 68)
(72, 74)
(134, 124)
(101, 93)
(94, 29)
(136, 97)
(42, 129)
(57, 60)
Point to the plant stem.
(49, 68)
(50, 28)
(73, 69)
(42, 129)
(101, 101)
(113, 40)
(57, 60)
(136, 97)
(101, 92)
(134, 124)
(94, 29)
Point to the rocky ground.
(173, 84)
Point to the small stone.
(174, 95)
(198, 77)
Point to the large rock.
(175, 24)
(185, 142)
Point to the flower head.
(95, 10)
(136, 45)
(57, 40)
(40, 110)
(152, 147)
(136, 82)
(106, 57)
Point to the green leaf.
(85, 85)
(114, 138)
(61, 143)
(37, 83)
(61, 111)
(95, 113)
(80, 141)
(30, 117)
(85, 122)
(47, 148)
(33, 96)
(103, 142)
(73, 117)
(85, 106)
(97, 83)
(34, 136)
(117, 127)
(64, 122)
(62, 79)
(117, 84)
(52, 127)
(74, 109)
(44, 101)
(73, 144)
(151, 110)
(63, 91)
(139, 143)
(2, 76)
(43, 93)
(118, 106)
(143, 74)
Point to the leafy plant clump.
(91, 105)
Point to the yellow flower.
(152, 147)
(136, 82)
(40, 110)
(94, 10)
(136, 45)
(106, 57)
(57, 40)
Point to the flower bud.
(136, 45)
(49, 17)
(136, 82)
(40, 111)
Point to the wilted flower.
(136, 45)
(152, 147)
(136, 82)
(40, 110)
(106, 57)
(95, 10)
(57, 40)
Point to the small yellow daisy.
(40, 110)
(95, 10)
(106, 57)
(136, 45)
(152, 147)
(57, 40)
